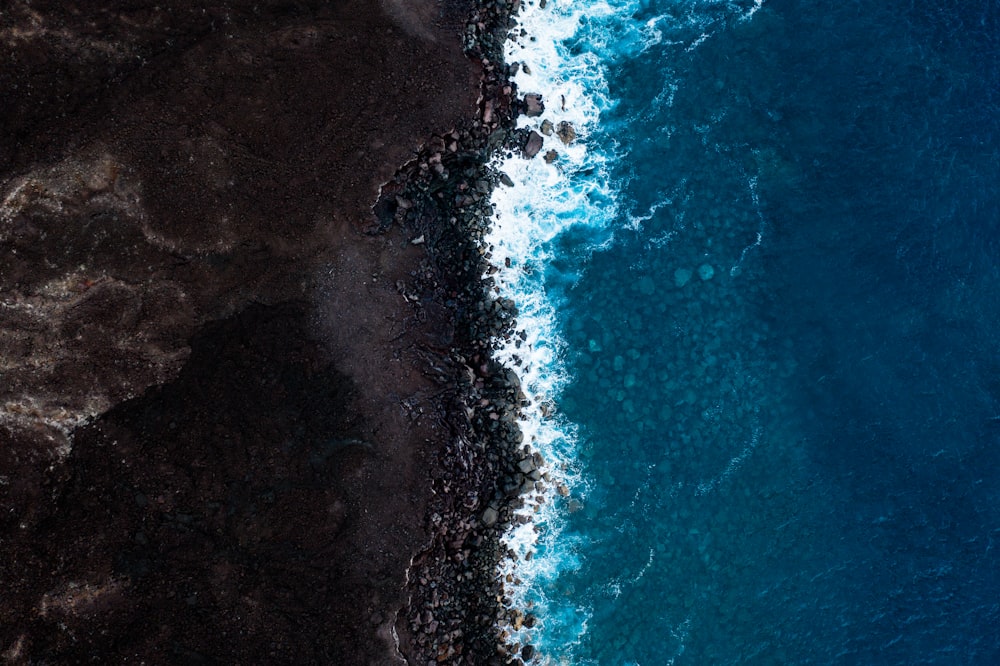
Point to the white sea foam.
(548, 200)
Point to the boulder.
(490, 516)
(533, 106)
(566, 132)
(533, 144)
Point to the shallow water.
(763, 295)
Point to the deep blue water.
(784, 354)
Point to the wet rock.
(533, 144)
(547, 127)
(551, 156)
(533, 106)
(566, 132)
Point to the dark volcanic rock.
(533, 106)
(566, 132)
(220, 169)
(178, 526)
(533, 144)
(215, 416)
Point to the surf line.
(557, 181)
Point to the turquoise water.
(769, 309)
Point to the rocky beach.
(248, 407)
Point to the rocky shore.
(248, 409)
(456, 608)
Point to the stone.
(533, 106)
(533, 144)
(646, 285)
(682, 276)
(547, 127)
(490, 516)
(551, 156)
(566, 132)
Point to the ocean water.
(761, 300)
